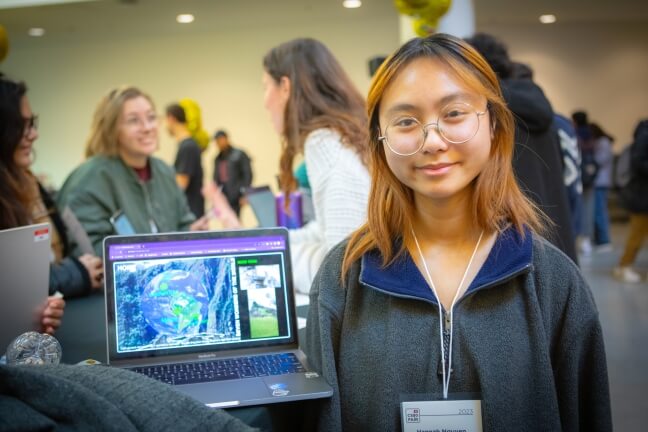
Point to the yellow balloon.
(435, 9)
(425, 12)
(4, 43)
(194, 122)
(410, 7)
(424, 27)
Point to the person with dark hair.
(581, 122)
(604, 157)
(448, 298)
(589, 170)
(188, 163)
(319, 113)
(634, 196)
(121, 188)
(537, 159)
(232, 170)
(24, 201)
(521, 71)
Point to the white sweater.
(340, 187)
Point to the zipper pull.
(446, 321)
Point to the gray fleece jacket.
(100, 398)
(527, 340)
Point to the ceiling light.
(351, 4)
(185, 18)
(548, 19)
(36, 31)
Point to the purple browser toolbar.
(185, 248)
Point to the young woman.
(122, 188)
(24, 201)
(319, 114)
(447, 291)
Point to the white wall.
(599, 67)
(221, 70)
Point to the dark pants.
(601, 218)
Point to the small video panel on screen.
(261, 282)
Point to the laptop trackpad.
(223, 394)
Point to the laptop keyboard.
(227, 369)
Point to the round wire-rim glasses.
(456, 118)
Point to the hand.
(51, 318)
(94, 266)
(221, 209)
(201, 224)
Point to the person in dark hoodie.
(634, 198)
(448, 296)
(537, 160)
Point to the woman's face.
(138, 129)
(275, 99)
(23, 153)
(439, 170)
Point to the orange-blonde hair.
(497, 199)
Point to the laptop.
(263, 204)
(24, 265)
(211, 313)
(269, 209)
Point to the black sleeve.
(639, 154)
(69, 277)
(188, 158)
(246, 170)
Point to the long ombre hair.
(497, 199)
(321, 96)
(104, 132)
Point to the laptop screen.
(196, 292)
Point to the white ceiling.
(103, 17)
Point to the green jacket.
(103, 186)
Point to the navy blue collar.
(510, 255)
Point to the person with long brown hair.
(122, 188)
(22, 198)
(449, 291)
(319, 114)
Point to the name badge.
(442, 416)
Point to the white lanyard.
(446, 378)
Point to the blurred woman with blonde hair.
(122, 188)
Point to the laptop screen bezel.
(195, 351)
